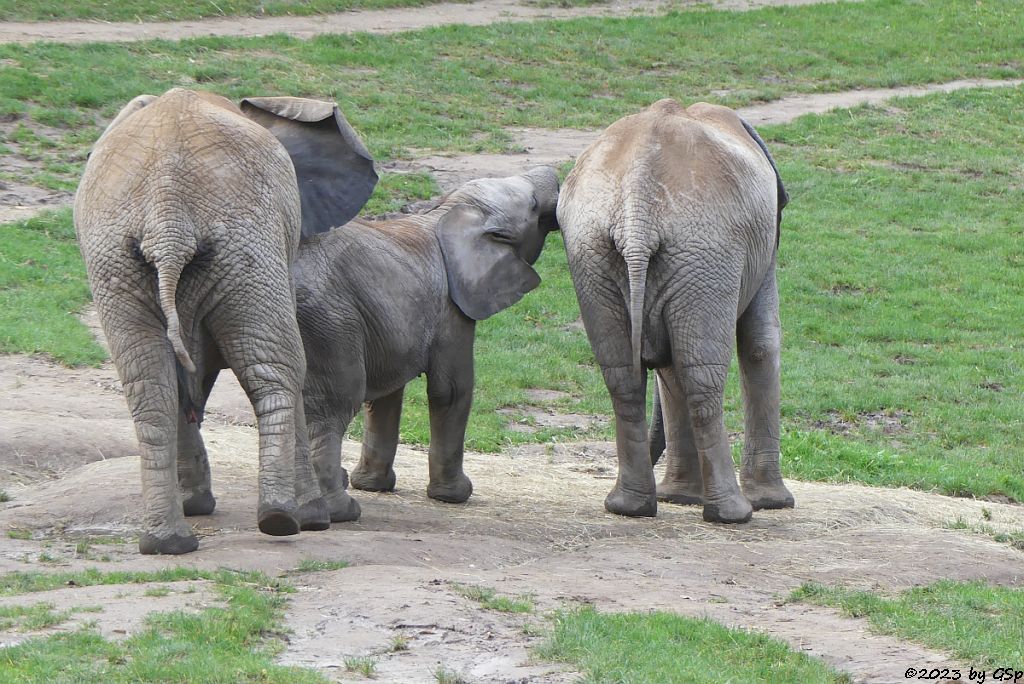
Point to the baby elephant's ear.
(333, 168)
(485, 275)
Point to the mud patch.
(531, 419)
(887, 422)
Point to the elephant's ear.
(135, 105)
(780, 188)
(333, 168)
(485, 275)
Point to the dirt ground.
(535, 524)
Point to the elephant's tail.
(168, 274)
(636, 272)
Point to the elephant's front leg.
(759, 337)
(450, 396)
(375, 472)
(682, 482)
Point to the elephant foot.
(278, 519)
(768, 496)
(624, 502)
(342, 507)
(370, 481)
(458, 490)
(682, 493)
(172, 543)
(314, 515)
(731, 509)
(198, 503)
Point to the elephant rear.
(670, 223)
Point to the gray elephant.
(671, 223)
(188, 218)
(379, 303)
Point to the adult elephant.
(671, 223)
(379, 303)
(188, 217)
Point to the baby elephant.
(379, 303)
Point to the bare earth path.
(369, 21)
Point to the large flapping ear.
(783, 195)
(333, 168)
(135, 105)
(485, 275)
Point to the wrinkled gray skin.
(379, 303)
(188, 217)
(670, 223)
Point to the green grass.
(31, 618)
(42, 286)
(15, 583)
(4, 496)
(458, 87)
(161, 10)
(491, 600)
(444, 675)
(314, 565)
(233, 643)
(665, 648)
(980, 624)
(365, 666)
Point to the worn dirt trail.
(368, 21)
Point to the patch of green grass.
(31, 618)
(362, 665)
(160, 10)
(157, 591)
(980, 624)
(4, 496)
(444, 675)
(19, 534)
(42, 287)
(395, 190)
(663, 647)
(491, 600)
(459, 87)
(233, 643)
(399, 642)
(314, 565)
(13, 583)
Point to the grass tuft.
(491, 600)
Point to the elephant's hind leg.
(701, 352)
(375, 472)
(758, 336)
(193, 463)
(327, 422)
(146, 368)
(682, 483)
